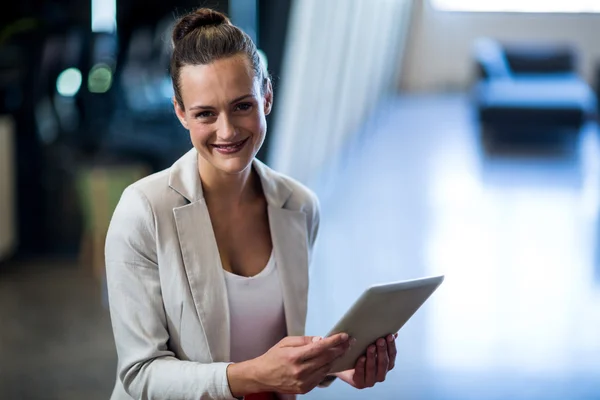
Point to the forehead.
(220, 80)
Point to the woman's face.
(224, 111)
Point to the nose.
(226, 131)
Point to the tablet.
(381, 310)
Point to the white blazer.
(166, 286)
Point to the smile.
(230, 148)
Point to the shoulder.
(152, 186)
(132, 230)
(298, 197)
(154, 192)
(144, 206)
(140, 199)
(302, 198)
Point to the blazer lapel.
(289, 236)
(290, 244)
(201, 256)
(205, 275)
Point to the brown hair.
(204, 36)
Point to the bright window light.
(531, 6)
(104, 16)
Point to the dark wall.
(132, 14)
(273, 17)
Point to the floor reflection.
(519, 313)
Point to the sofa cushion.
(567, 91)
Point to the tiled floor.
(518, 316)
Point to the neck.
(229, 189)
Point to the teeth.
(231, 146)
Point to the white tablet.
(381, 310)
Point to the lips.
(230, 148)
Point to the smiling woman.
(222, 92)
(224, 106)
(207, 261)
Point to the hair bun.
(200, 18)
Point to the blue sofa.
(530, 88)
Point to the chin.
(234, 165)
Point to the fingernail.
(362, 359)
(352, 341)
(390, 338)
(381, 343)
(316, 339)
(344, 336)
(371, 350)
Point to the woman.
(207, 261)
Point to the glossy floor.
(55, 336)
(513, 228)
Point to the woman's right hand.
(295, 365)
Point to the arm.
(146, 367)
(313, 219)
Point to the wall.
(440, 42)
(273, 21)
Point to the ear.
(180, 113)
(268, 98)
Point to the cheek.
(260, 124)
(199, 134)
(249, 120)
(255, 124)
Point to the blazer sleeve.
(314, 221)
(146, 366)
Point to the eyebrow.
(231, 102)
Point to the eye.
(243, 107)
(205, 114)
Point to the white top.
(257, 318)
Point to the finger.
(391, 346)
(297, 341)
(327, 356)
(370, 367)
(334, 340)
(315, 373)
(318, 347)
(314, 376)
(359, 372)
(321, 373)
(382, 360)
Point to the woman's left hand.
(374, 366)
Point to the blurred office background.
(455, 137)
